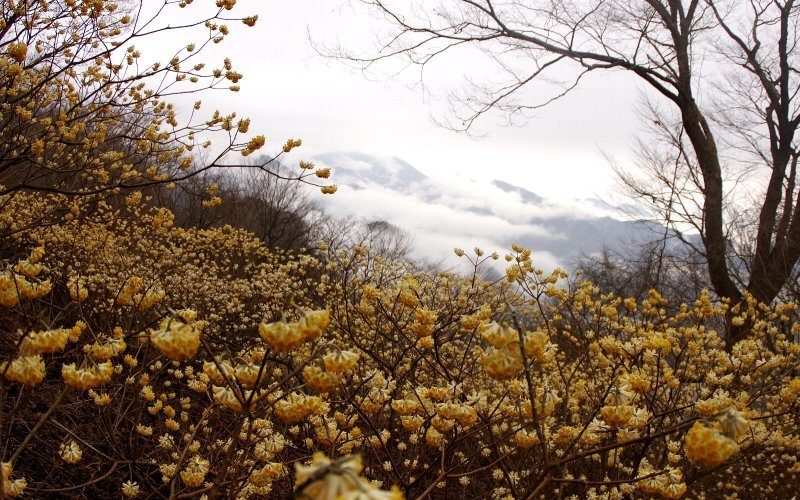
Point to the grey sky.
(289, 91)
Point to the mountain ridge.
(493, 213)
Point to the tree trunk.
(713, 228)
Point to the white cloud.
(445, 212)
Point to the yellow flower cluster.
(178, 336)
(50, 341)
(502, 363)
(12, 487)
(321, 380)
(226, 397)
(270, 446)
(526, 439)
(15, 286)
(247, 374)
(255, 144)
(297, 406)
(618, 412)
(77, 289)
(667, 483)
(109, 348)
(130, 489)
(87, 378)
(283, 336)
(498, 335)
(708, 447)
(28, 269)
(70, 452)
(424, 322)
(25, 370)
(503, 359)
(131, 293)
(17, 50)
(339, 479)
(195, 471)
(340, 361)
(266, 475)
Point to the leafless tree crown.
(726, 72)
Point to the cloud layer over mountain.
(442, 212)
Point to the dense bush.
(190, 361)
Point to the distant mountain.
(527, 196)
(455, 211)
(588, 236)
(628, 209)
(359, 170)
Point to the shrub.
(190, 362)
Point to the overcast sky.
(290, 91)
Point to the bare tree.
(273, 207)
(276, 210)
(673, 269)
(377, 238)
(749, 46)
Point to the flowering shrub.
(197, 362)
(87, 113)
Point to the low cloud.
(443, 212)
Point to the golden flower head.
(70, 452)
(176, 338)
(707, 447)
